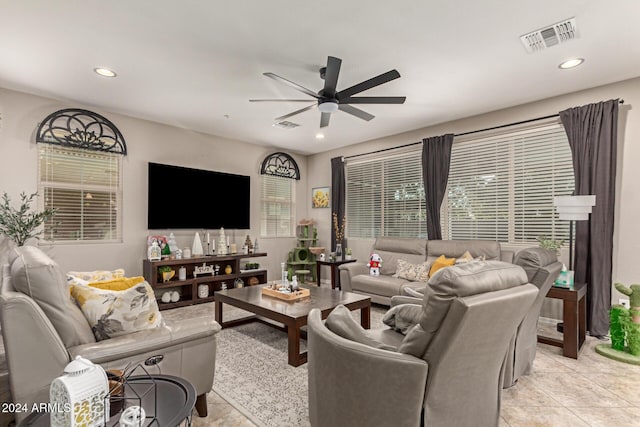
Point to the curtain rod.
(621, 101)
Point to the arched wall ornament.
(280, 164)
(73, 127)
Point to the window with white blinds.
(85, 189)
(278, 207)
(500, 187)
(385, 196)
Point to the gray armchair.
(447, 370)
(43, 331)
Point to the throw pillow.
(85, 277)
(403, 317)
(413, 272)
(113, 313)
(466, 257)
(341, 323)
(121, 284)
(440, 263)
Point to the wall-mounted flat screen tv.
(182, 197)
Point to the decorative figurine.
(196, 249)
(375, 261)
(154, 252)
(222, 243)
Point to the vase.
(338, 250)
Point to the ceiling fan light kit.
(329, 100)
(328, 107)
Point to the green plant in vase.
(551, 244)
(166, 272)
(24, 223)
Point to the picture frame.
(320, 197)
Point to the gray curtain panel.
(592, 131)
(337, 196)
(436, 157)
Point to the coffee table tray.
(294, 296)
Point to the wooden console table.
(574, 309)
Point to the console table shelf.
(189, 287)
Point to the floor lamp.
(573, 208)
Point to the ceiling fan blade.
(302, 110)
(324, 120)
(368, 84)
(279, 100)
(292, 84)
(374, 100)
(355, 112)
(331, 76)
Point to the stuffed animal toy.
(374, 264)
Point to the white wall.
(146, 142)
(627, 227)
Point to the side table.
(333, 266)
(574, 309)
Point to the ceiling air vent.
(550, 36)
(285, 125)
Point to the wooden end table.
(333, 266)
(293, 314)
(574, 309)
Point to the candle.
(227, 240)
(208, 238)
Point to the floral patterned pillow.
(413, 272)
(111, 313)
(85, 277)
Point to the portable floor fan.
(329, 100)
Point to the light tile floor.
(591, 391)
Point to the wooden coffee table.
(293, 315)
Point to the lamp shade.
(574, 208)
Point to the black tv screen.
(182, 197)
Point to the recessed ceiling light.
(319, 136)
(105, 72)
(571, 63)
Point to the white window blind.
(278, 207)
(501, 187)
(84, 187)
(385, 196)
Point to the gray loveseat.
(354, 277)
(446, 371)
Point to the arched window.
(80, 176)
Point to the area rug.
(252, 374)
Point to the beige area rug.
(252, 373)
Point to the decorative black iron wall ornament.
(280, 164)
(73, 127)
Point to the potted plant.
(347, 254)
(551, 244)
(24, 223)
(166, 272)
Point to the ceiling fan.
(329, 100)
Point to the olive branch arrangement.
(22, 224)
(339, 229)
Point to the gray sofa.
(43, 331)
(354, 277)
(446, 371)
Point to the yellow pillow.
(120, 284)
(439, 263)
